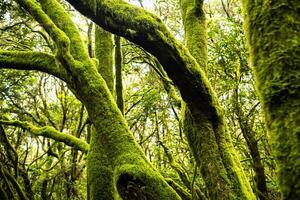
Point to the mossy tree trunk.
(209, 139)
(130, 176)
(274, 41)
(104, 177)
(104, 52)
(193, 17)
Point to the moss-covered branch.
(147, 30)
(59, 37)
(195, 29)
(63, 21)
(26, 60)
(49, 132)
(183, 193)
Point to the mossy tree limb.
(49, 132)
(195, 35)
(27, 60)
(147, 30)
(61, 40)
(272, 29)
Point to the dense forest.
(149, 99)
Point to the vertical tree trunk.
(195, 32)
(118, 67)
(273, 36)
(104, 47)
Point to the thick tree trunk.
(273, 35)
(132, 174)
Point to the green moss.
(49, 132)
(133, 183)
(63, 21)
(104, 47)
(274, 42)
(183, 193)
(195, 30)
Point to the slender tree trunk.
(252, 143)
(118, 67)
(273, 36)
(194, 22)
(104, 51)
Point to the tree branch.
(63, 21)
(49, 132)
(27, 60)
(58, 36)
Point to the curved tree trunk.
(129, 173)
(273, 35)
(210, 140)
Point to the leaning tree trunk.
(209, 139)
(273, 35)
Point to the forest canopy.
(149, 99)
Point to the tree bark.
(273, 36)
